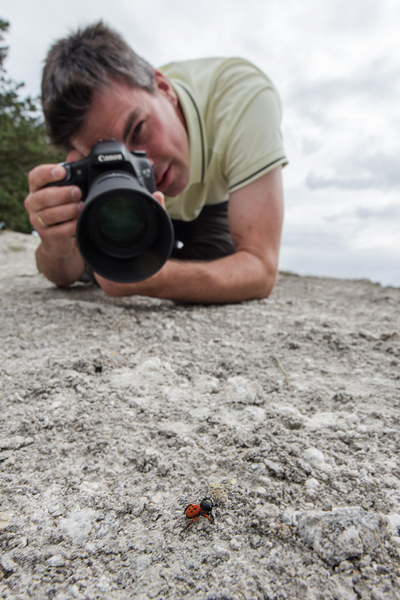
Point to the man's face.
(152, 122)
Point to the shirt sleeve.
(255, 145)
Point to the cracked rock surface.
(116, 413)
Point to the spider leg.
(189, 524)
(209, 517)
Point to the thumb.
(159, 196)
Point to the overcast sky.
(336, 65)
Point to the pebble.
(343, 533)
(152, 364)
(241, 390)
(57, 560)
(207, 385)
(314, 457)
(267, 510)
(56, 511)
(394, 523)
(312, 486)
(235, 544)
(274, 467)
(78, 524)
(221, 552)
(7, 563)
(5, 519)
(142, 562)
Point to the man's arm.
(255, 215)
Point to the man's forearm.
(240, 276)
(61, 270)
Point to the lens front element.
(122, 221)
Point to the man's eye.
(136, 131)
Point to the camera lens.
(122, 232)
(122, 221)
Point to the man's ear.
(164, 86)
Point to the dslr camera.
(122, 233)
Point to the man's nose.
(153, 164)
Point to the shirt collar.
(196, 132)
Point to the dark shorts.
(205, 238)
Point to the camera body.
(106, 156)
(122, 232)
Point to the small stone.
(151, 364)
(274, 467)
(103, 584)
(312, 484)
(314, 457)
(235, 544)
(289, 517)
(57, 560)
(341, 534)
(221, 552)
(7, 563)
(5, 519)
(78, 524)
(74, 591)
(394, 523)
(283, 531)
(143, 562)
(241, 390)
(267, 510)
(207, 385)
(350, 474)
(255, 541)
(56, 511)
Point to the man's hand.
(53, 212)
(255, 219)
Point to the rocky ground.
(118, 413)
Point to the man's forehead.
(112, 113)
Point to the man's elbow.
(112, 288)
(265, 290)
(267, 282)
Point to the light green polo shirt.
(233, 115)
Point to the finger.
(59, 214)
(52, 196)
(159, 196)
(43, 174)
(57, 235)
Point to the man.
(210, 128)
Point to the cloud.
(377, 82)
(391, 212)
(377, 171)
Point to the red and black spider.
(194, 511)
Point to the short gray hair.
(79, 65)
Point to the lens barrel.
(123, 233)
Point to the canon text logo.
(109, 157)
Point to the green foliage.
(23, 145)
